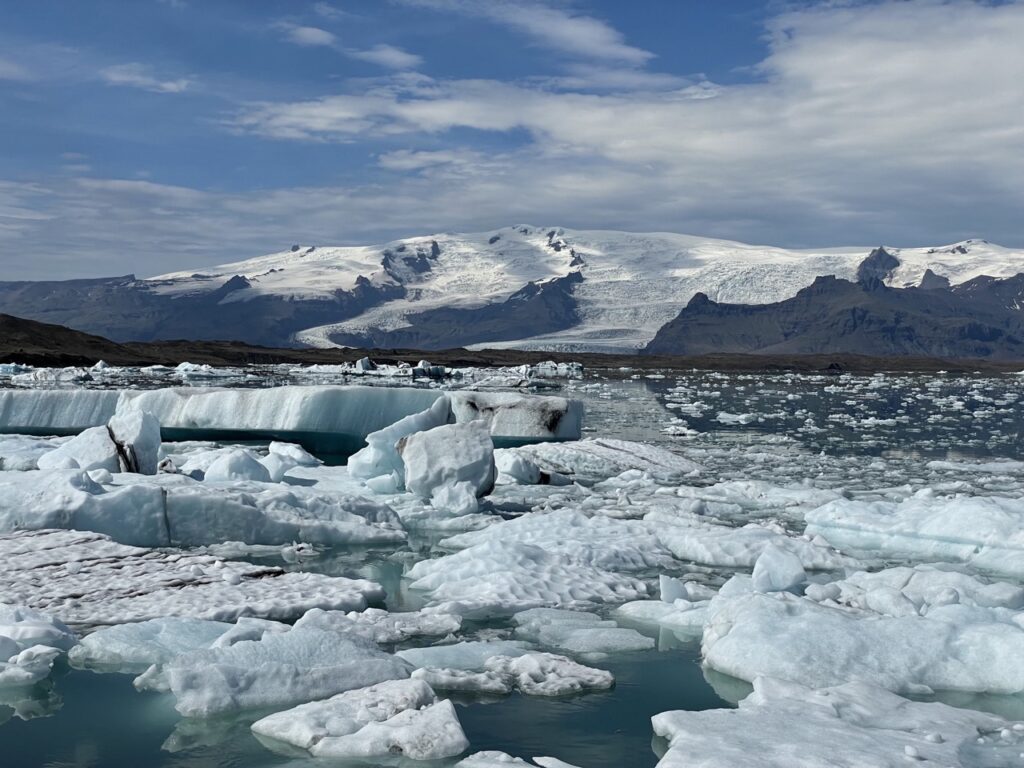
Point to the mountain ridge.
(524, 287)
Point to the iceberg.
(335, 417)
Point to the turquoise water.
(102, 722)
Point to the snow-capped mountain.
(524, 286)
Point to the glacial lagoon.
(775, 453)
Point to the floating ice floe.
(280, 669)
(86, 579)
(30, 642)
(381, 626)
(495, 759)
(136, 646)
(497, 578)
(577, 632)
(500, 667)
(910, 631)
(398, 718)
(986, 533)
(781, 725)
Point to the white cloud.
(11, 70)
(309, 36)
(872, 118)
(137, 75)
(896, 123)
(555, 28)
(387, 56)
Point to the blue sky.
(151, 135)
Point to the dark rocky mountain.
(127, 309)
(981, 318)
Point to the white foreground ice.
(986, 533)
(910, 631)
(854, 725)
(400, 718)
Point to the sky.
(147, 136)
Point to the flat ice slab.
(86, 579)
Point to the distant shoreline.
(42, 344)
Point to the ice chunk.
(681, 616)
(380, 626)
(494, 759)
(238, 464)
(282, 457)
(452, 465)
(380, 456)
(778, 570)
(30, 641)
(513, 467)
(27, 667)
(168, 510)
(469, 655)
(134, 647)
(137, 435)
(26, 627)
(465, 681)
(577, 632)
(281, 669)
(783, 724)
(399, 717)
(92, 449)
(511, 415)
(546, 674)
(498, 579)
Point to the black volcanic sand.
(42, 344)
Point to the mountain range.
(518, 287)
